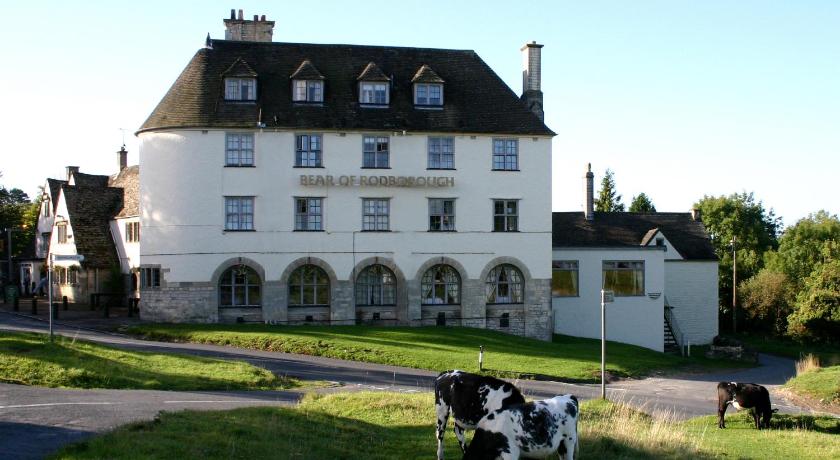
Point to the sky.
(680, 99)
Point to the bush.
(766, 299)
(817, 314)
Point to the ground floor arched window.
(240, 286)
(376, 285)
(309, 286)
(504, 284)
(441, 285)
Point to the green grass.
(378, 425)
(829, 354)
(30, 359)
(822, 384)
(436, 348)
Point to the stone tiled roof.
(239, 68)
(90, 211)
(630, 229)
(425, 74)
(129, 180)
(307, 71)
(372, 72)
(55, 188)
(89, 180)
(477, 100)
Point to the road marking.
(19, 406)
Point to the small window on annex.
(309, 286)
(504, 285)
(240, 286)
(441, 285)
(624, 278)
(564, 278)
(132, 232)
(149, 277)
(62, 233)
(240, 89)
(376, 285)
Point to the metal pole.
(480, 358)
(50, 296)
(9, 254)
(603, 346)
(734, 287)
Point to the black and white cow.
(469, 397)
(537, 429)
(745, 396)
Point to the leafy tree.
(608, 199)
(803, 246)
(817, 314)
(642, 203)
(767, 300)
(755, 228)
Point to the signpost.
(606, 297)
(53, 259)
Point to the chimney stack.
(70, 171)
(695, 215)
(237, 28)
(589, 185)
(123, 155)
(532, 78)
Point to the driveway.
(38, 420)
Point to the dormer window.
(240, 89)
(307, 83)
(428, 88)
(308, 91)
(374, 86)
(428, 94)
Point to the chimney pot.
(241, 17)
(262, 18)
(256, 30)
(232, 14)
(589, 191)
(123, 157)
(532, 78)
(695, 215)
(71, 170)
(256, 17)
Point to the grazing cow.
(537, 429)
(469, 397)
(745, 396)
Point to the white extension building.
(661, 266)
(343, 184)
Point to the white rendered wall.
(129, 253)
(692, 289)
(636, 320)
(184, 182)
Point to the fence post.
(64, 302)
(54, 307)
(34, 305)
(92, 302)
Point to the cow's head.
(730, 388)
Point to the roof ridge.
(352, 45)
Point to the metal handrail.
(672, 323)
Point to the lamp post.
(734, 284)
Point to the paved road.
(36, 420)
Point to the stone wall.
(180, 303)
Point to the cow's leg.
(567, 448)
(721, 412)
(459, 433)
(442, 410)
(757, 418)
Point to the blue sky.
(679, 98)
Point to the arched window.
(376, 285)
(441, 285)
(504, 285)
(240, 286)
(309, 286)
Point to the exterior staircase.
(672, 335)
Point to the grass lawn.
(436, 348)
(829, 354)
(30, 359)
(822, 384)
(378, 425)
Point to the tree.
(803, 246)
(767, 300)
(755, 228)
(608, 199)
(16, 212)
(817, 314)
(642, 203)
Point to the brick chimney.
(589, 186)
(532, 78)
(123, 156)
(695, 215)
(71, 170)
(238, 28)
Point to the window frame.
(505, 154)
(566, 266)
(438, 143)
(506, 217)
(635, 264)
(237, 97)
(305, 284)
(308, 86)
(61, 233)
(442, 215)
(318, 153)
(429, 280)
(150, 277)
(381, 285)
(242, 225)
(242, 160)
(492, 287)
(375, 153)
(427, 87)
(132, 232)
(376, 215)
(304, 225)
(386, 86)
(246, 287)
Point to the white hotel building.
(341, 184)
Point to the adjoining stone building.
(339, 184)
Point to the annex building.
(299, 183)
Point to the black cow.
(745, 396)
(469, 397)
(538, 429)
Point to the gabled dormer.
(307, 83)
(374, 87)
(240, 82)
(428, 88)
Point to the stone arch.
(233, 261)
(384, 261)
(228, 314)
(441, 260)
(401, 308)
(506, 260)
(320, 263)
